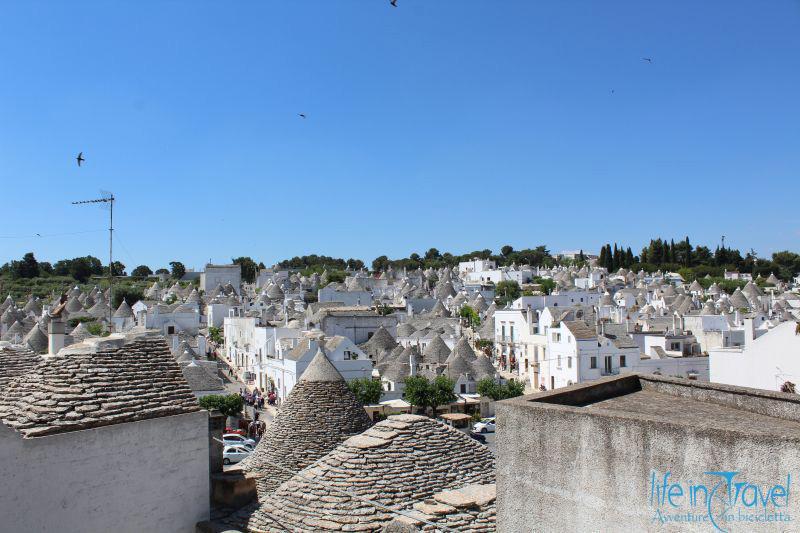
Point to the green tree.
(432, 254)
(426, 394)
(117, 269)
(27, 268)
(379, 264)
(513, 388)
(141, 271)
(162, 271)
(230, 405)
(249, 268)
(506, 250)
(489, 388)
(367, 390)
(129, 293)
(471, 315)
(178, 270)
(215, 334)
(417, 391)
(507, 291)
(441, 392)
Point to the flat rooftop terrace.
(680, 402)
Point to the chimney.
(749, 331)
(412, 364)
(201, 344)
(55, 336)
(313, 345)
(530, 319)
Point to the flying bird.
(301, 115)
(393, 2)
(648, 59)
(80, 159)
(38, 235)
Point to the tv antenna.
(107, 199)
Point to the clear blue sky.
(456, 124)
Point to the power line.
(42, 235)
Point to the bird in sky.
(648, 59)
(612, 91)
(393, 2)
(80, 159)
(38, 234)
(301, 115)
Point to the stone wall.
(150, 475)
(570, 468)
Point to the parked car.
(478, 437)
(234, 439)
(234, 454)
(486, 425)
(237, 431)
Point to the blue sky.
(456, 124)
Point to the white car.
(484, 426)
(234, 454)
(233, 439)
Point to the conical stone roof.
(15, 333)
(380, 341)
(123, 311)
(405, 463)
(36, 340)
(463, 349)
(74, 305)
(318, 415)
(436, 352)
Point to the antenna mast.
(110, 201)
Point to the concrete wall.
(766, 363)
(564, 468)
(151, 475)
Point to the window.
(559, 361)
(347, 355)
(569, 361)
(593, 362)
(622, 361)
(556, 337)
(675, 346)
(463, 388)
(170, 330)
(503, 331)
(512, 332)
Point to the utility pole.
(110, 201)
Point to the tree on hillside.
(380, 264)
(162, 271)
(178, 270)
(506, 250)
(128, 293)
(117, 269)
(141, 271)
(249, 268)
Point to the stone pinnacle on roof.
(124, 310)
(321, 369)
(317, 416)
